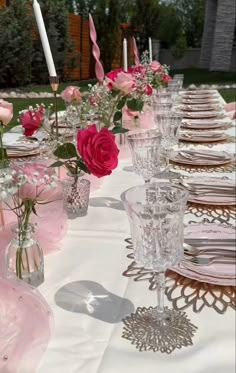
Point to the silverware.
(195, 251)
(202, 261)
(200, 242)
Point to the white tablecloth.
(89, 296)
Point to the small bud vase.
(24, 257)
(76, 192)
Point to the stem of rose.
(22, 234)
(1, 142)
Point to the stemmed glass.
(168, 124)
(145, 147)
(179, 78)
(72, 118)
(156, 213)
(173, 88)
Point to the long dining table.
(92, 284)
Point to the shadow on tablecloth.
(92, 299)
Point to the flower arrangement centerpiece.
(96, 153)
(125, 91)
(34, 185)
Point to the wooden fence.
(81, 46)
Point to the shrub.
(15, 44)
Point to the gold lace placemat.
(184, 292)
(227, 168)
(212, 214)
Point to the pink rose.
(123, 82)
(155, 66)
(71, 94)
(98, 150)
(140, 69)
(38, 191)
(32, 120)
(6, 112)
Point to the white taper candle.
(44, 38)
(150, 49)
(125, 55)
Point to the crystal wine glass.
(168, 124)
(179, 78)
(72, 118)
(156, 213)
(145, 147)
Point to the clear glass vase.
(24, 257)
(76, 192)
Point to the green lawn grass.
(191, 76)
(229, 95)
(201, 76)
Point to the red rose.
(112, 75)
(31, 121)
(98, 150)
(149, 90)
(165, 78)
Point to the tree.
(191, 15)
(145, 21)
(15, 44)
(108, 18)
(55, 16)
(169, 25)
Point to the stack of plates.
(222, 238)
(211, 191)
(19, 146)
(202, 136)
(201, 157)
(203, 123)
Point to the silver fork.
(208, 261)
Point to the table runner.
(89, 296)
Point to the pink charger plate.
(218, 274)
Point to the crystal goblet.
(145, 147)
(73, 118)
(168, 124)
(156, 213)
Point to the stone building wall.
(218, 35)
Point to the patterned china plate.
(199, 158)
(218, 274)
(212, 199)
(197, 136)
(204, 123)
(202, 114)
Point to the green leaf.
(34, 210)
(135, 104)
(118, 129)
(117, 116)
(82, 166)
(66, 151)
(121, 103)
(57, 164)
